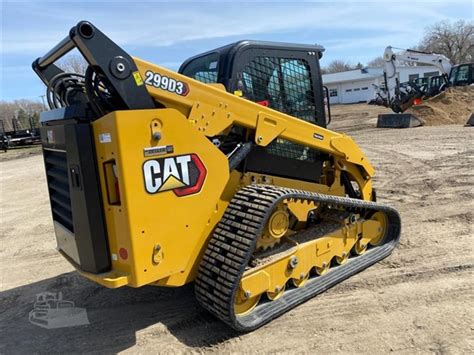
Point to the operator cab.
(282, 76)
(462, 75)
(285, 77)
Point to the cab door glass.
(283, 84)
(460, 75)
(299, 95)
(463, 73)
(204, 69)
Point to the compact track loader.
(222, 174)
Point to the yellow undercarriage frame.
(297, 263)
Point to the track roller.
(235, 272)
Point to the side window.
(204, 68)
(430, 74)
(261, 81)
(460, 75)
(285, 85)
(274, 92)
(248, 82)
(463, 73)
(298, 89)
(282, 82)
(452, 76)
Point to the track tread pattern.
(233, 242)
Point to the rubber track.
(233, 243)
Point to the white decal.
(105, 138)
(152, 169)
(165, 83)
(184, 174)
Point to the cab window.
(204, 68)
(283, 84)
(460, 75)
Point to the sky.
(167, 33)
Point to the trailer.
(19, 136)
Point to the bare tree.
(337, 66)
(454, 40)
(73, 63)
(377, 62)
(20, 110)
(28, 106)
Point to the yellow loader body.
(164, 178)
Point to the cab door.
(287, 81)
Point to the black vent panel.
(58, 184)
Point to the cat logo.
(184, 174)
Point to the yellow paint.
(315, 254)
(181, 226)
(138, 78)
(269, 127)
(212, 111)
(111, 279)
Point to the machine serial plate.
(152, 151)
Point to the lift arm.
(142, 85)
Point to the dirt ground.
(20, 152)
(420, 299)
(453, 106)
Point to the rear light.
(123, 253)
(112, 183)
(417, 102)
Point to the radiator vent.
(58, 184)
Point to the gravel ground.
(420, 299)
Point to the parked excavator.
(223, 174)
(400, 96)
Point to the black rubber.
(398, 120)
(233, 243)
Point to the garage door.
(357, 92)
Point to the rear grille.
(58, 184)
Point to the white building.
(357, 85)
